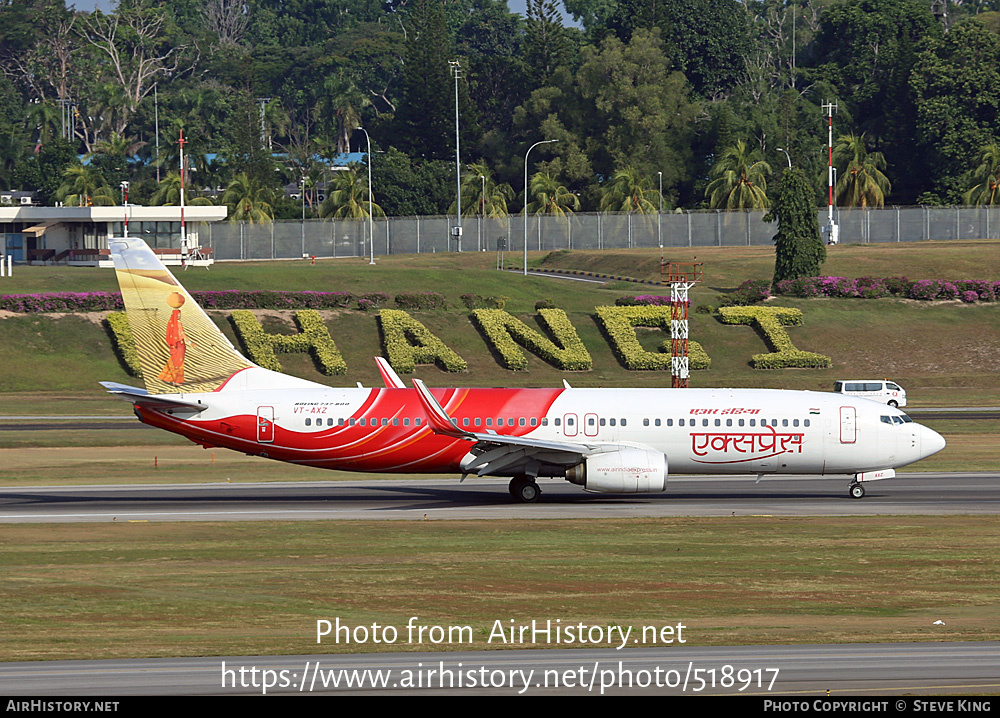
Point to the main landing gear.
(856, 490)
(524, 489)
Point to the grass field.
(145, 589)
(121, 590)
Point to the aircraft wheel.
(524, 490)
(857, 491)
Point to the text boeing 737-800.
(605, 440)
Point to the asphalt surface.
(860, 671)
(443, 499)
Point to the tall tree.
(546, 45)
(860, 180)
(798, 249)
(628, 191)
(986, 177)
(425, 117)
(739, 179)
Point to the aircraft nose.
(931, 442)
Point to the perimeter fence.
(285, 239)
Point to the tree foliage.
(798, 249)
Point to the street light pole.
(456, 68)
(659, 230)
(780, 149)
(303, 198)
(371, 221)
(525, 209)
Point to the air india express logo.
(732, 447)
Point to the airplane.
(623, 441)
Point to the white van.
(887, 392)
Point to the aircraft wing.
(496, 452)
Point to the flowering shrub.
(770, 322)
(503, 332)
(619, 325)
(421, 300)
(643, 300)
(878, 287)
(229, 299)
(751, 291)
(477, 301)
(406, 343)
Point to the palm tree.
(628, 192)
(550, 196)
(346, 196)
(986, 176)
(860, 181)
(740, 179)
(84, 186)
(248, 201)
(168, 193)
(490, 198)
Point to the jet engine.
(626, 471)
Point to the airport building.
(79, 235)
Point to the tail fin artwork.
(180, 349)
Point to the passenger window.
(741, 422)
(465, 421)
(784, 422)
(521, 421)
(624, 422)
(718, 422)
(353, 421)
(416, 422)
(534, 421)
(645, 422)
(805, 422)
(612, 422)
(670, 422)
(569, 422)
(489, 421)
(479, 421)
(704, 422)
(603, 422)
(309, 422)
(753, 422)
(545, 421)
(657, 422)
(558, 422)
(406, 421)
(590, 421)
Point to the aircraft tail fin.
(180, 348)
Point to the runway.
(809, 672)
(479, 499)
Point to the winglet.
(389, 376)
(437, 417)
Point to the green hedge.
(619, 325)
(504, 332)
(314, 338)
(770, 322)
(406, 343)
(121, 338)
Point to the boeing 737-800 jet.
(604, 440)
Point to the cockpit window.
(906, 419)
(897, 419)
(886, 419)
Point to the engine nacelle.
(626, 471)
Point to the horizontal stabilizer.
(141, 397)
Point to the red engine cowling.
(627, 471)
